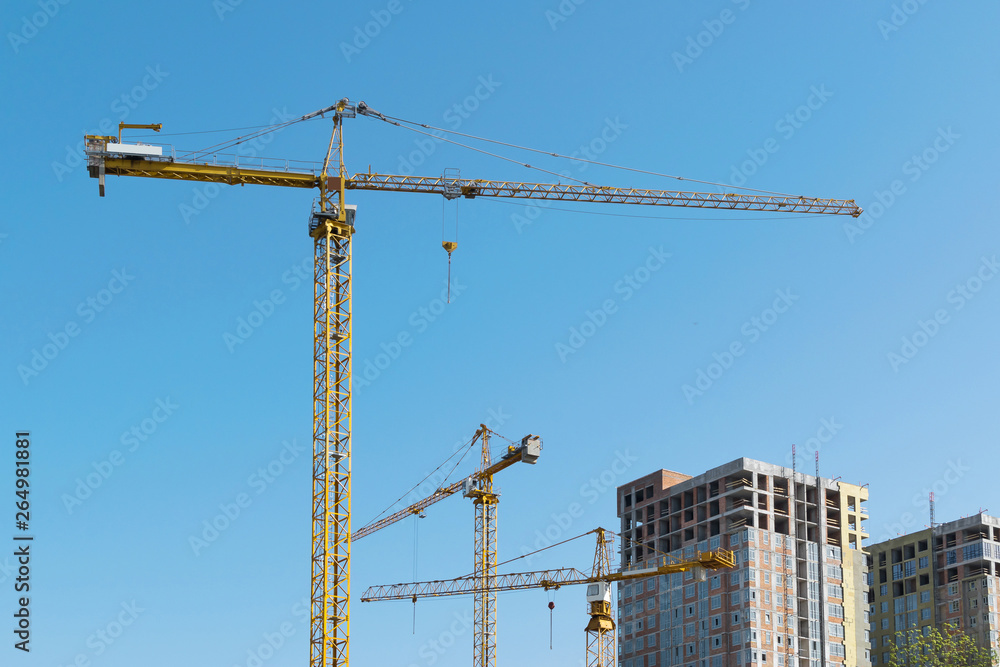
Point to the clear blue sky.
(852, 101)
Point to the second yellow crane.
(600, 629)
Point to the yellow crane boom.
(331, 227)
(546, 579)
(601, 628)
(287, 175)
(526, 451)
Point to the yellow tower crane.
(600, 629)
(478, 487)
(331, 228)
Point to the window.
(923, 562)
(883, 590)
(716, 601)
(925, 596)
(885, 607)
(836, 592)
(716, 582)
(925, 614)
(972, 551)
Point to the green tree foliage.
(945, 647)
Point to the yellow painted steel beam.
(603, 194)
(547, 579)
(415, 508)
(208, 173)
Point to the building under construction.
(932, 577)
(797, 596)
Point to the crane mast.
(331, 227)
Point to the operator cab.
(599, 591)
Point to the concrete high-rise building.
(797, 596)
(928, 578)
